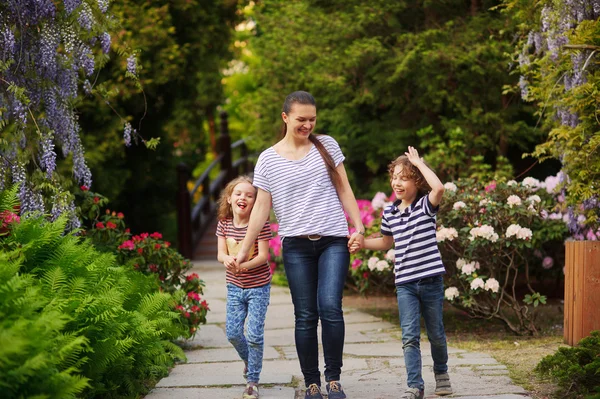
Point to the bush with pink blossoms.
(147, 253)
(505, 240)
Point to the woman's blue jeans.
(316, 273)
(423, 297)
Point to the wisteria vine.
(48, 55)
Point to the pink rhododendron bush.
(496, 240)
(500, 243)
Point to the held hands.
(413, 156)
(237, 263)
(356, 242)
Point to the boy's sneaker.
(313, 392)
(413, 393)
(442, 384)
(335, 391)
(251, 392)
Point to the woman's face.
(301, 120)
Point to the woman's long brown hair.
(305, 98)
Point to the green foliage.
(380, 71)
(73, 322)
(564, 86)
(575, 369)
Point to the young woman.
(303, 176)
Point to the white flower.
(372, 262)
(450, 187)
(382, 265)
(460, 263)
(555, 216)
(468, 268)
(483, 231)
(531, 182)
(458, 205)
(513, 200)
(477, 283)
(492, 285)
(484, 201)
(444, 233)
(524, 233)
(534, 198)
(512, 230)
(391, 255)
(379, 201)
(477, 266)
(451, 293)
(511, 183)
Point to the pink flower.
(192, 276)
(364, 204)
(140, 251)
(366, 275)
(193, 295)
(167, 244)
(111, 225)
(274, 227)
(357, 262)
(120, 215)
(490, 187)
(275, 245)
(366, 216)
(590, 235)
(143, 236)
(157, 246)
(156, 235)
(84, 188)
(96, 200)
(99, 225)
(272, 266)
(548, 262)
(9, 217)
(153, 268)
(127, 245)
(195, 309)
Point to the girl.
(303, 176)
(248, 283)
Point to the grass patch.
(519, 354)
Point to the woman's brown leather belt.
(312, 237)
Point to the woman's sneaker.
(442, 384)
(251, 392)
(335, 391)
(313, 391)
(413, 393)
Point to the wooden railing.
(194, 218)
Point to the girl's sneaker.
(313, 391)
(335, 391)
(412, 393)
(251, 392)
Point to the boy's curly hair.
(223, 207)
(410, 171)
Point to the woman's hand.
(356, 242)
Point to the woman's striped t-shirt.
(304, 198)
(257, 276)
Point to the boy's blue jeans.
(251, 303)
(423, 297)
(316, 273)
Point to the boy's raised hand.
(413, 156)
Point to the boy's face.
(403, 186)
(242, 199)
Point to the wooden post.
(582, 290)
(184, 212)
(224, 147)
(246, 164)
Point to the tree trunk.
(475, 5)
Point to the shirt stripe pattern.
(257, 276)
(415, 245)
(304, 198)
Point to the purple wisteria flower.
(86, 17)
(132, 64)
(71, 5)
(105, 42)
(48, 156)
(103, 5)
(127, 134)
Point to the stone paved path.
(373, 359)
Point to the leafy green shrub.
(147, 253)
(73, 322)
(575, 369)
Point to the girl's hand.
(413, 156)
(356, 239)
(229, 262)
(355, 248)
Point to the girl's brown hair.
(410, 171)
(305, 98)
(223, 207)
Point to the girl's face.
(404, 187)
(242, 199)
(301, 120)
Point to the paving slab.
(224, 393)
(209, 336)
(224, 355)
(214, 374)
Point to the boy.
(409, 226)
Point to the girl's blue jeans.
(316, 273)
(423, 297)
(250, 303)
